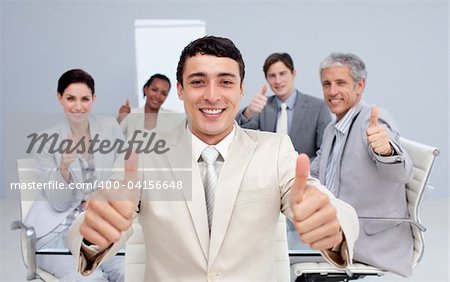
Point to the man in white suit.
(232, 237)
(362, 162)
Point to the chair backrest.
(423, 157)
(135, 258)
(26, 169)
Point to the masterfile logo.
(142, 142)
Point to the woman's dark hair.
(153, 77)
(75, 76)
(211, 45)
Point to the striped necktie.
(209, 156)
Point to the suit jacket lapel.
(269, 120)
(195, 197)
(299, 115)
(337, 176)
(327, 141)
(233, 170)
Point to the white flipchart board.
(158, 47)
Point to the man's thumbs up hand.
(314, 217)
(301, 178)
(257, 104)
(377, 136)
(109, 212)
(374, 117)
(264, 90)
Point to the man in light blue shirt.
(307, 116)
(361, 162)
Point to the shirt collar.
(223, 146)
(343, 125)
(290, 101)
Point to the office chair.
(27, 174)
(423, 157)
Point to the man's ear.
(360, 87)
(180, 91)
(242, 89)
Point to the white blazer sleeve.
(89, 258)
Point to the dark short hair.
(153, 77)
(210, 45)
(75, 76)
(285, 58)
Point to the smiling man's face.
(211, 92)
(339, 90)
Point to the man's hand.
(110, 212)
(313, 215)
(257, 104)
(124, 110)
(377, 136)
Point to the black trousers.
(318, 278)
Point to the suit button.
(211, 277)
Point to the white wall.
(404, 43)
(159, 44)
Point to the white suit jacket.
(53, 206)
(253, 187)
